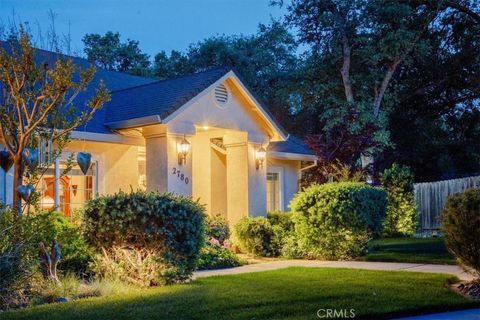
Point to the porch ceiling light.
(260, 156)
(183, 149)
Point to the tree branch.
(472, 14)
(380, 91)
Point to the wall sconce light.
(260, 156)
(183, 149)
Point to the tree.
(38, 105)
(339, 148)
(266, 61)
(356, 47)
(438, 104)
(110, 53)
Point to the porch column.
(237, 176)
(201, 169)
(156, 158)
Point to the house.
(203, 135)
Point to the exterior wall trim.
(108, 137)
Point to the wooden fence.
(430, 198)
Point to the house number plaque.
(181, 176)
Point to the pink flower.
(226, 244)
(214, 242)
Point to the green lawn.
(293, 293)
(414, 250)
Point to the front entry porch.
(220, 172)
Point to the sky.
(156, 24)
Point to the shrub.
(169, 227)
(216, 257)
(76, 254)
(461, 227)
(216, 227)
(401, 218)
(17, 257)
(19, 244)
(256, 236)
(283, 233)
(336, 220)
(282, 219)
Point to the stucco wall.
(117, 164)
(236, 114)
(117, 167)
(179, 176)
(256, 184)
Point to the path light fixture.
(260, 156)
(183, 149)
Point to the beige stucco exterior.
(220, 169)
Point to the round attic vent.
(221, 94)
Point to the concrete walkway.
(387, 266)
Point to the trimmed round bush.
(461, 227)
(336, 220)
(161, 227)
(256, 236)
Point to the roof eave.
(291, 156)
(134, 123)
(270, 120)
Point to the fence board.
(430, 198)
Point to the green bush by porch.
(164, 230)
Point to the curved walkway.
(386, 266)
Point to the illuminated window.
(74, 187)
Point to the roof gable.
(157, 99)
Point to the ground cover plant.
(217, 253)
(293, 293)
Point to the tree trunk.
(17, 181)
(345, 71)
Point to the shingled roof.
(114, 81)
(291, 145)
(134, 97)
(160, 98)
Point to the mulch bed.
(468, 289)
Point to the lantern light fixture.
(260, 156)
(183, 149)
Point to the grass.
(293, 293)
(413, 250)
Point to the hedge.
(336, 220)
(170, 227)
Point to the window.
(142, 168)
(74, 187)
(274, 194)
